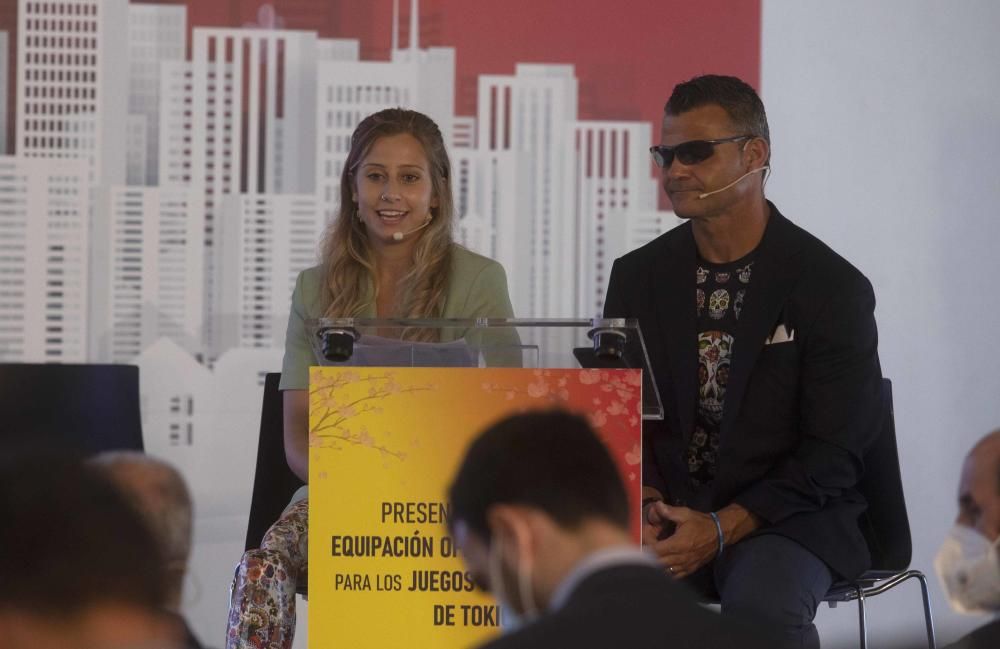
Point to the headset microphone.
(398, 236)
(765, 168)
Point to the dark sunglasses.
(691, 152)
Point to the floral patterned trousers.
(262, 602)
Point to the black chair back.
(273, 482)
(70, 408)
(885, 524)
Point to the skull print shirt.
(721, 290)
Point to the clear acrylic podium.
(487, 342)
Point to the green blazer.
(477, 288)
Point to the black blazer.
(632, 606)
(798, 416)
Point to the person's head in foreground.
(79, 569)
(535, 495)
(969, 560)
(160, 495)
(395, 210)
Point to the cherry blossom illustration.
(332, 408)
(608, 399)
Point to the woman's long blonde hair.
(348, 257)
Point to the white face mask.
(969, 568)
(510, 619)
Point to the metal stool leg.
(862, 618)
(928, 618)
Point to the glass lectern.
(487, 342)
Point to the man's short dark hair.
(69, 540)
(549, 460)
(735, 96)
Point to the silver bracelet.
(718, 531)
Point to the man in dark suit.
(763, 346)
(540, 517)
(969, 560)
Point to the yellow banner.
(384, 442)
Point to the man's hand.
(696, 539)
(691, 546)
(651, 530)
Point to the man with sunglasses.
(763, 345)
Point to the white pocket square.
(782, 334)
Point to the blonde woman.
(389, 253)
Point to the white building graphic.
(44, 267)
(265, 240)
(136, 149)
(72, 83)
(205, 421)
(252, 113)
(176, 124)
(253, 101)
(492, 198)
(530, 112)
(644, 225)
(156, 34)
(147, 270)
(611, 182)
(464, 133)
(338, 49)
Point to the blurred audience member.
(161, 497)
(541, 518)
(969, 561)
(78, 568)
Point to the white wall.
(885, 125)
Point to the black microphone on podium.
(398, 236)
(764, 168)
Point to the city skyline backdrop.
(167, 179)
(627, 62)
(176, 121)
